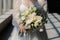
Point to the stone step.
(5, 20)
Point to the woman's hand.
(23, 28)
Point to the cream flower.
(32, 14)
(27, 13)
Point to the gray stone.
(52, 33)
(56, 38)
(48, 26)
(57, 24)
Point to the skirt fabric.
(36, 35)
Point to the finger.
(21, 29)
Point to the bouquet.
(31, 18)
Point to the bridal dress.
(36, 35)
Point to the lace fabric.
(23, 7)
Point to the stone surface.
(53, 31)
(4, 16)
(1, 20)
(56, 39)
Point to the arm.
(16, 10)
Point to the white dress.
(33, 35)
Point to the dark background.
(53, 6)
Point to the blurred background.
(52, 28)
(5, 6)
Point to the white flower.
(39, 18)
(23, 18)
(28, 21)
(34, 14)
(41, 30)
(35, 24)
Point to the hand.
(23, 28)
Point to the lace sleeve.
(16, 10)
